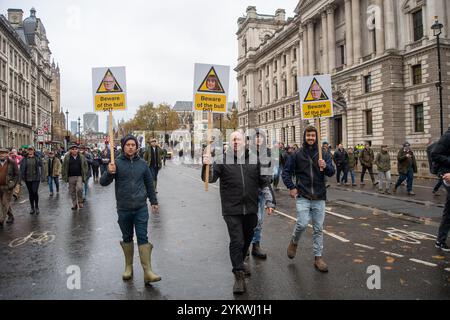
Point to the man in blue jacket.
(134, 184)
(310, 193)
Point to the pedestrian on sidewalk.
(153, 157)
(276, 166)
(89, 159)
(106, 159)
(31, 173)
(52, 171)
(263, 155)
(407, 166)
(96, 161)
(13, 155)
(326, 149)
(310, 193)
(278, 169)
(133, 185)
(240, 185)
(9, 177)
(74, 172)
(352, 160)
(383, 162)
(341, 161)
(441, 156)
(367, 157)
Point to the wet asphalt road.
(191, 248)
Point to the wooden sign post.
(111, 137)
(208, 147)
(319, 139)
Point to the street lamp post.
(287, 135)
(437, 31)
(79, 130)
(248, 115)
(67, 132)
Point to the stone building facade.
(381, 54)
(25, 77)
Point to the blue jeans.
(276, 176)
(409, 177)
(86, 187)
(130, 220)
(258, 228)
(50, 183)
(310, 210)
(352, 174)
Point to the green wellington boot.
(145, 252)
(128, 252)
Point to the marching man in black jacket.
(441, 156)
(240, 182)
(310, 193)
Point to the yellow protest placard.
(316, 100)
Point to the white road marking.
(424, 262)
(324, 231)
(23, 201)
(339, 215)
(198, 179)
(364, 246)
(335, 236)
(392, 254)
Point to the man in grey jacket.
(134, 184)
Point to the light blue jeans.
(308, 210)
(261, 209)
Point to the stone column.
(379, 28)
(356, 18)
(304, 52)
(348, 33)
(389, 23)
(331, 40)
(325, 48)
(311, 56)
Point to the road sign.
(316, 97)
(211, 87)
(109, 88)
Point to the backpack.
(433, 165)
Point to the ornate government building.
(29, 83)
(382, 56)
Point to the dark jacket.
(149, 158)
(134, 183)
(352, 161)
(12, 175)
(240, 185)
(441, 154)
(304, 164)
(24, 169)
(89, 159)
(404, 161)
(341, 158)
(65, 167)
(383, 161)
(367, 157)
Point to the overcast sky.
(157, 41)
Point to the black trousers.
(33, 188)
(240, 230)
(445, 223)
(341, 171)
(363, 172)
(95, 171)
